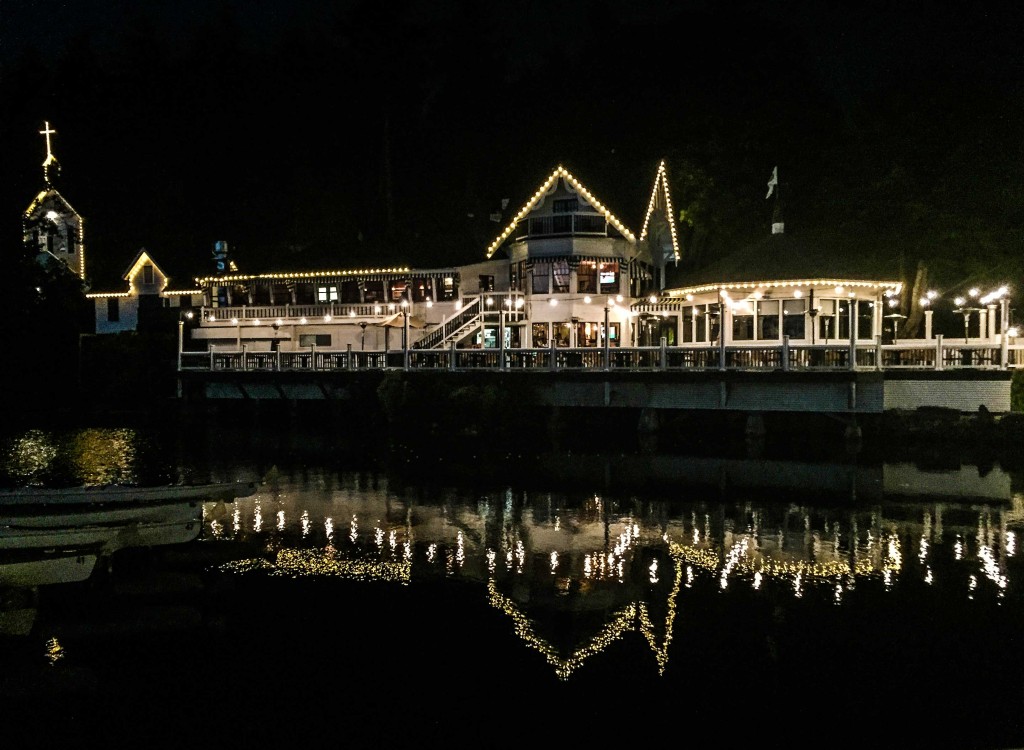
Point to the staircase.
(460, 325)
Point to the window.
(327, 293)
(743, 323)
(541, 278)
(609, 277)
(314, 339)
(147, 273)
(487, 283)
(397, 290)
(560, 270)
(540, 335)
(561, 334)
(695, 323)
(566, 206)
(865, 320)
(768, 320)
(793, 318)
(586, 277)
(113, 310)
(827, 319)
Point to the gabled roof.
(140, 259)
(48, 193)
(559, 173)
(661, 199)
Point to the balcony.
(561, 225)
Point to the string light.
(661, 181)
(539, 195)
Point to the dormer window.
(147, 273)
(566, 206)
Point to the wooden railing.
(929, 355)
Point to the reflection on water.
(724, 582)
(618, 565)
(86, 456)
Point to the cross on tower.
(48, 131)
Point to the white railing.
(928, 355)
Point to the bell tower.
(50, 226)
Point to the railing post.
(664, 353)
(348, 356)
(501, 339)
(785, 353)
(312, 356)
(1004, 350)
(607, 343)
(939, 364)
(451, 360)
(721, 346)
(553, 361)
(245, 362)
(853, 354)
(211, 357)
(277, 359)
(405, 340)
(878, 352)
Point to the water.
(555, 598)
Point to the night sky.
(347, 134)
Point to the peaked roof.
(660, 190)
(140, 257)
(52, 194)
(542, 191)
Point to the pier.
(844, 378)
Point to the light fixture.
(520, 302)
(458, 304)
(552, 301)
(279, 322)
(302, 321)
(351, 313)
(327, 318)
(652, 299)
(234, 321)
(587, 299)
(256, 322)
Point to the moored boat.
(116, 494)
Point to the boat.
(106, 538)
(119, 494)
(22, 568)
(55, 516)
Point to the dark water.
(556, 599)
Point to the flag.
(773, 182)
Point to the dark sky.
(357, 133)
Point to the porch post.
(607, 349)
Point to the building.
(146, 300)
(55, 231)
(51, 228)
(563, 271)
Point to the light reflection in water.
(632, 563)
(91, 456)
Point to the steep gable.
(660, 215)
(549, 187)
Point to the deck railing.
(913, 355)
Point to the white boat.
(106, 538)
(118, 494)
(36, 568)
(57, 516)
